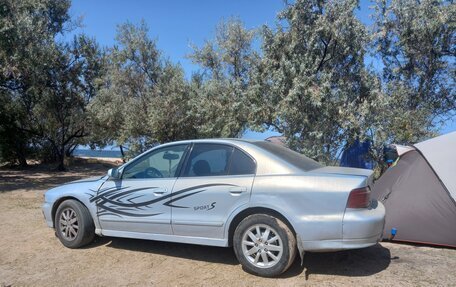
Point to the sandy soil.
(30, 254)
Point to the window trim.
(157, 149)
(186, 159)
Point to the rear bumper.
(360, 228)
(47, 212)
(360, 224)
(337, 245)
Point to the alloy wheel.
(69, 225)
(262, 246)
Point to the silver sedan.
(266, 201)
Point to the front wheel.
(264, 245)
(73, 224)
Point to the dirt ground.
(30, 254)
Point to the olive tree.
(27, 29)
(416, 42)
(221, 86)
(312, 84)
(143, 96)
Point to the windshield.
(296, 159)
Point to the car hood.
(84, 180)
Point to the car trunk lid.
(349, 171)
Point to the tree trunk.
(61, 165)
(21, 154)
(69, 150)
(122, 153)
(61, 159)
(22, 161)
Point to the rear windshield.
(296, 159)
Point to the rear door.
(215, 180)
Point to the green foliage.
(312, 86)
(27, 28)
(13, 142)
(309, 80)
(227, 62)
(46, 84)
(144, 98)
(59, 117)
(417, 43)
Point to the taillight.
(359, 198)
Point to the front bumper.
(47, 212)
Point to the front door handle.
(238, 190)
(159, 191)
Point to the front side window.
(208, 160)
(161, 163)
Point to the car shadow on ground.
(358, 263)
(188, 251)
(352, 263)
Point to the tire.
(254, 252)
(73, 224)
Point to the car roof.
(267, 163)
(214, 140)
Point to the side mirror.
(170, 156)
(114, 173)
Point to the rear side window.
(296, 159)
(241, 163)
(208, 160)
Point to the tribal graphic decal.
(125, 201)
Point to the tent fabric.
(440, 152)
(416, 202)
(402, 149)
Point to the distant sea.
(97, 153)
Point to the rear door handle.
(160, 191)
(237, 190)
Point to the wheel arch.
(255, 210)
(57, 203)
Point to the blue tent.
(357, 155)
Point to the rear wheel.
(73, 224)
(264, 245)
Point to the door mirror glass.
(114, 173)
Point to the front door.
(216, 180)
(137, 201)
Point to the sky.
(177, 25)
